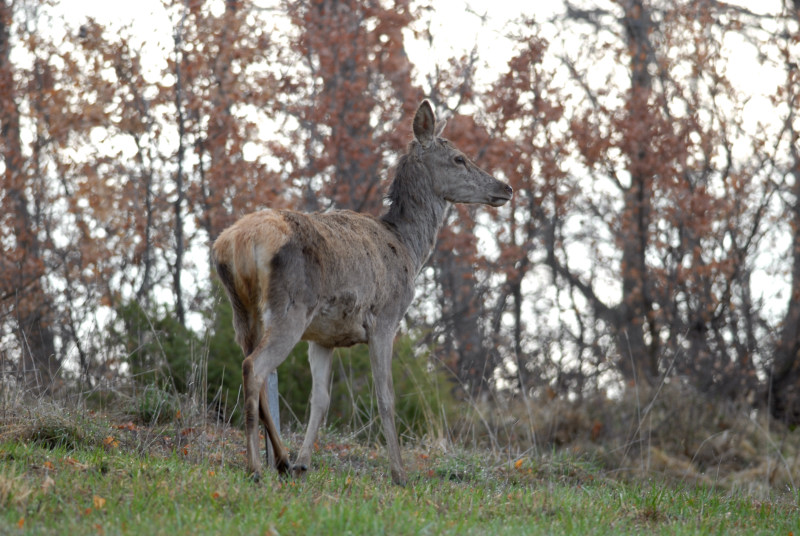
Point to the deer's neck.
(415, 212)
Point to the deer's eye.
(460, 160)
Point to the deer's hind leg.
(279, 337)
(273, 436)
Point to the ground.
(85, 472)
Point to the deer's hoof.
(300, 470)
(399, 479)
(283, 467)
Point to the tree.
(648, 222)
(25, 288)
(783, 393)
(646, 206)
(346, 102)
(461, 273)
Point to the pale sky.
(455, 30)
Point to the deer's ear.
(424, 124)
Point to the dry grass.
(673, 433)
(64, 466)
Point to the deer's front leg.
(320, 359)
(380, 354)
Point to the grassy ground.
(85, 473)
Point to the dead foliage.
(673, 432)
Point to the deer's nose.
(509, 190)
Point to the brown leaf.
(76, 463)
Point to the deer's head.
(455, 177)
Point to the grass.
(93, 474)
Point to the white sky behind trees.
(457, 27)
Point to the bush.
(224, 367)
(159, 350)
(166, 358)
(155, 405)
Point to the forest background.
(653, 241)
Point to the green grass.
(128, 479)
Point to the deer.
(339, 278)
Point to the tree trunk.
(783, 394)
(23, 287)
(461, 314)
(635, 358)
(784, 379)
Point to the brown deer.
(340, 278)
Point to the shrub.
(166, 358)
(159, 350)
(155, 405)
